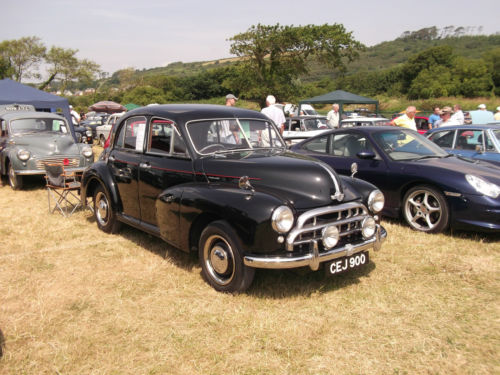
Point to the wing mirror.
(366, 155)
(479, 149)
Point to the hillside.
(381, 56)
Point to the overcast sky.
(153, 33)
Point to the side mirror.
(479, 149)
(366, 155)
(354, 169)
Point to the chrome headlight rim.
(368, 227)
(23, 154)
(282, 219)
(330, 236)
(376, 201)
(87, 152)
(483, 186)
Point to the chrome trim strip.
(313, 259)
(42, 171)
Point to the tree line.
(272, 59)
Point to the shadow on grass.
(472, 234)
(30, 183)
(267, 283)
(303, 282)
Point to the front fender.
(249, 213)
(98, 174)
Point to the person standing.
(434, 117)
(497, 114)
(75, 117)
(446, 119)
(481, 115)
(333, 116)
(407, 120)
(458, 115)
(231, 100)
(274, 113)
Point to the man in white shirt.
(333, 116)
(274, 113)
(75, 117)
(458, 115)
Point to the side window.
(164, 138)
(349, 144)
(132, 134)
(443, 139)
(468, 139)
(317, 145)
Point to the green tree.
(272, 57)
(144, 95)
(63, 66)
(492, 59)
(6, 70)
(24, 56)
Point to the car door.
(124, 161)
(341, 149)
(165, 165)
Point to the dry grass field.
(74, 300)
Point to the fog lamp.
(368, 227)
(330, 236)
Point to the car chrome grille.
(347, 217)
(71, 162)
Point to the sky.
(143, 34)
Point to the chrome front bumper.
(42, 171)
(314, 258)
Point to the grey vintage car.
(30, 139)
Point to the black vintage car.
(219, 180)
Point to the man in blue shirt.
(434, 117)
(481, 116)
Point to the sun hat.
(231, 96)
(481, 106)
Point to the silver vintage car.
(30, 139)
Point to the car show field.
(77, 300)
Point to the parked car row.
(220, 181)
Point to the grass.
(74, 300)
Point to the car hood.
(47, 143)
(297, 178)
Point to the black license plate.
(345, 264)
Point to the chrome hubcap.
(101, 209)
(219, 259)
(423, 210)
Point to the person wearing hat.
(497, 114)
(274, 113)
(481, 115)
(231, 100)
(445, 118)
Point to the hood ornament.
(244, 184)
(354, 169)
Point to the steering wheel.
(212, 148)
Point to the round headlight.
(368, 227)
(282, 219)
(23, 155)
(88, 133)
(376, 201)
(330, 236)
(87, 152)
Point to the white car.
(351, 122)
(102, 131)
(301, 127)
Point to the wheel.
(15, 181)
(102, 140)
(425, 209)
(221, 259)
(103, 212)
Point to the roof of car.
(363, 118)
(30, 114)
(188, 112)
(465, 127)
